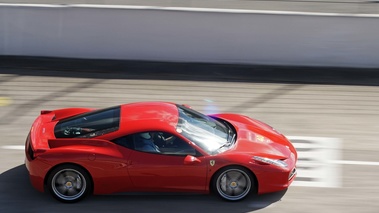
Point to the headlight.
(276, 162)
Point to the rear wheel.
(233, 183)
(69, 183)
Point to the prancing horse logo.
(212, 162)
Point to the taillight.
(29, 149)
(30, 152)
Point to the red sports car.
(155, 147)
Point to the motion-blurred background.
(308, 68)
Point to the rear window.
(89, 125)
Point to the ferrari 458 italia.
(155, 147)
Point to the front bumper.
(275, 180)
(272, 178)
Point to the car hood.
(257, 138)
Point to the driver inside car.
(146, 143)
(163, 139)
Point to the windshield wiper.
(227, 144)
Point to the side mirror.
(190, 160)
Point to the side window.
(172, 145)
(156, 142)
(126, 141)
(144, 142)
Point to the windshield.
(206, 132)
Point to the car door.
(177, 167)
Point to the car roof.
(148, 116)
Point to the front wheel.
(233, 183)
(69, 183)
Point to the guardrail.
(190, 35)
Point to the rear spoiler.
(65, 113)
(43, 112)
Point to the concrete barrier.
(190, 35)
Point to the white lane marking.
(13, 147)
(192, 9)
(314, 156)
(362, 163)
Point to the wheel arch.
(66, 164)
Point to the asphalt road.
(341, 113)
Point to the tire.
(233, 183)
(69, 183)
